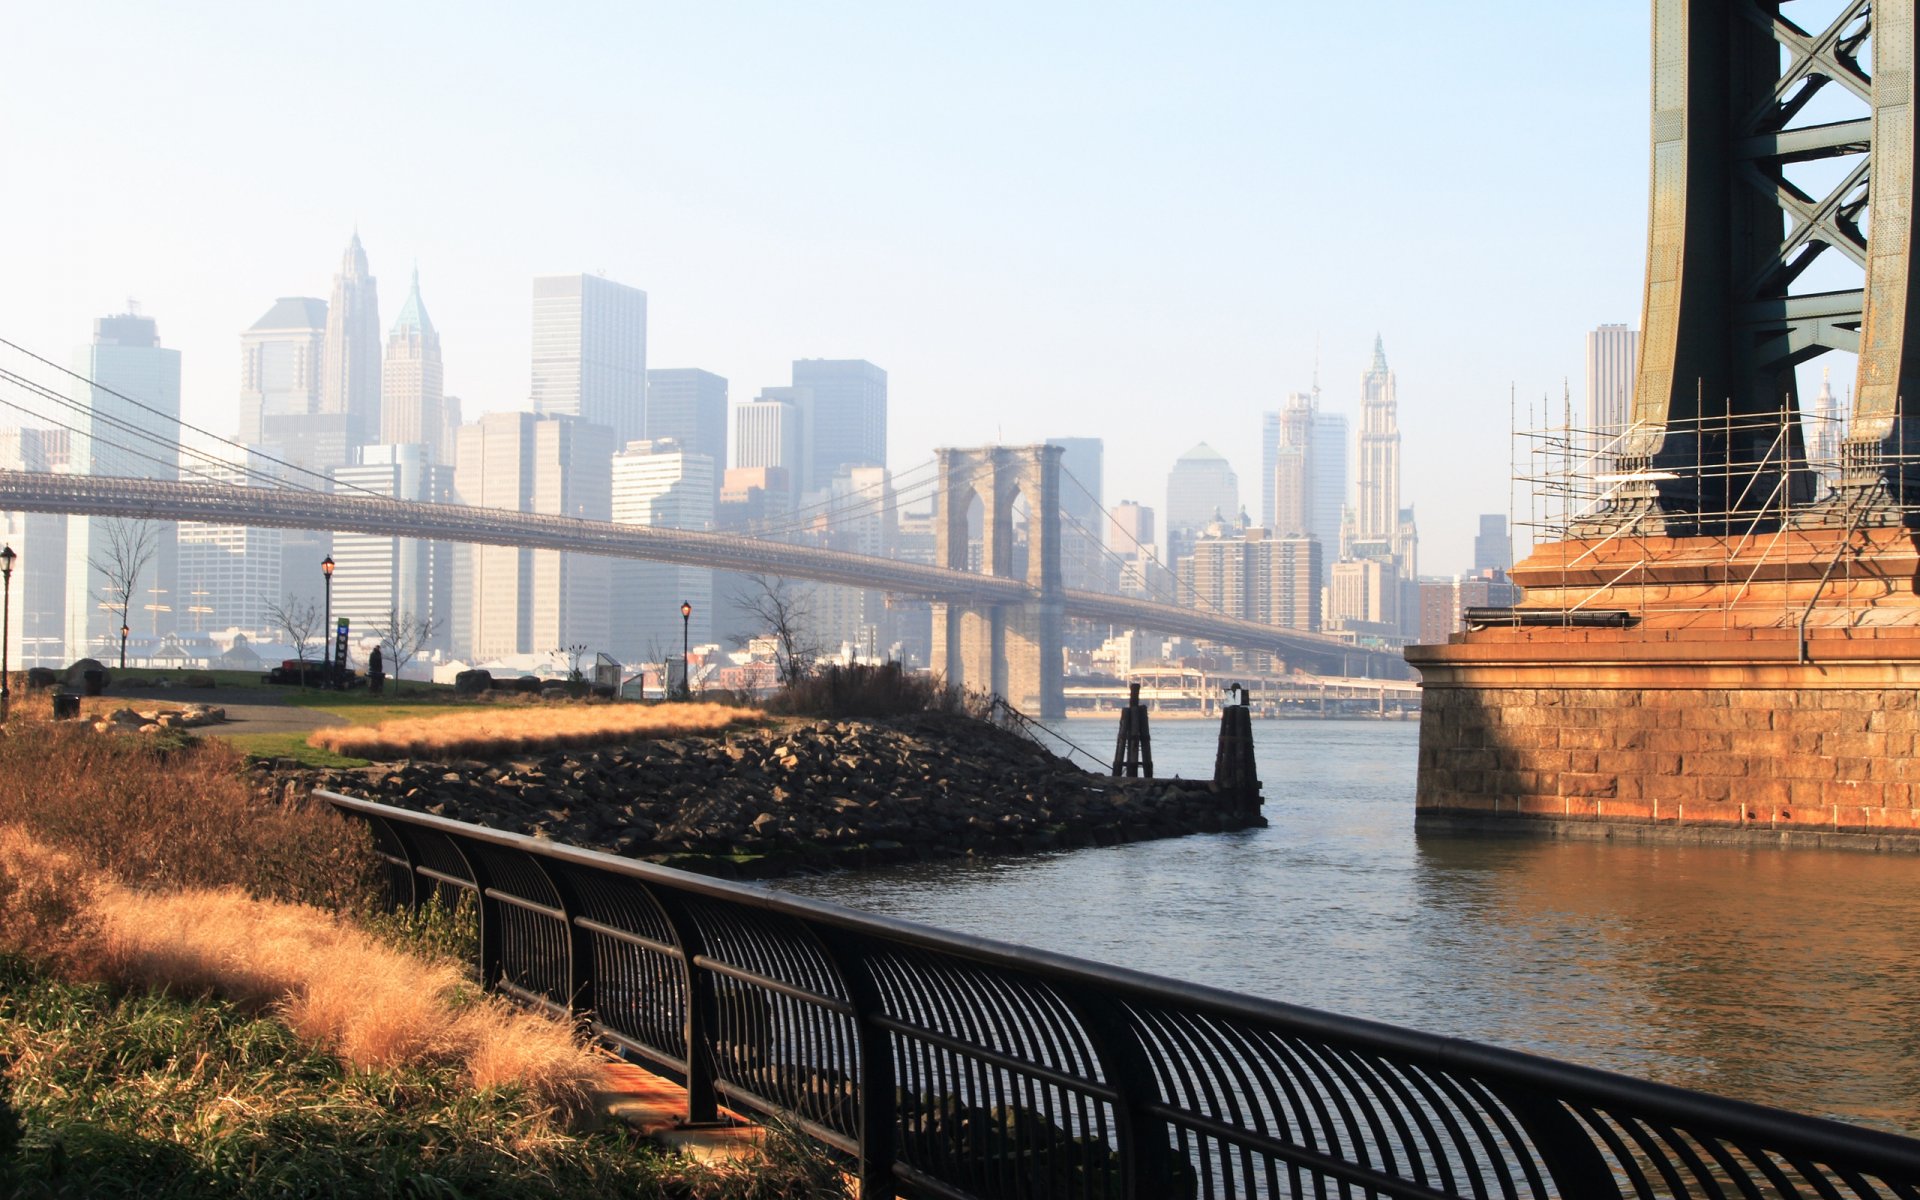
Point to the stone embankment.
(806, 796)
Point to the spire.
(1379, 353)
(413, 314)
(353, 263)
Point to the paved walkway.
(248, 710)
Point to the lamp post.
(686, 667)
(6, 619)
(124, 631)
(326, 630)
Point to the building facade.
(771, 431)
(231, 575)
(383, 583)
(350, 378)
(846, 403)
(689, 406)
(1201, 489)
(1613, 355)
(36, 617)
(282, 359)
(590, 353)
(658, 483)
(413, 383)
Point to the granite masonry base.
(1755, 736)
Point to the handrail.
(946, 1064)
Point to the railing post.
(492, 962)
(1144, 1148)
(877, 1090)
(582, 966)
(703, 1100)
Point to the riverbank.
(797, 796)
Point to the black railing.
(952, 1066)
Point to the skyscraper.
(1083, 527)
(1491, 549)
(1377, 507)
(350, 380)
(1825, 422)
(1330, 445)
(657, 482)
(590, 353)
(379, 580)
(413, 385)
(846, 405)
(1200, 488)
(520, 601)
(1291, 492)
(37, 617)
(126, 379)
(689, 406)
(771, 431)
(1612, 358)
(230, 574)
(282, 357)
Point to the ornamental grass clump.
(485, 731)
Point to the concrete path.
(248, 710)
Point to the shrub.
(862, 690)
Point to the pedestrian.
(376, 673)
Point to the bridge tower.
(1719, 642)
(1011, 650)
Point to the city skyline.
(1046, 241)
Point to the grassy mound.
(486, 731)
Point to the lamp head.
(686, 610)
(326, 566)
(124, 631)
(6, 559)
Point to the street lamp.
(686, 667)
(326, 630)
(124, 631)
(6, 617)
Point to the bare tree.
(786, 611)
(130, 546)
(405, 635)
(300, 621)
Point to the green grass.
(143, 1095)
(267, 746)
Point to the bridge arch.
(1009, 649)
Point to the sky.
(1144, 223)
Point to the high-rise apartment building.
(659, 483)
(590, 353)
(689, 406)
(230, 575)
(846, 406)
(350, 377)
(281, 362)
(413, 384)
(1246, 572)
(1612, 358)
(36, 619)
(1201, 488)
(515, 601)
(126, 379)
(381, 582)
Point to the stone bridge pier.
(1010, 650)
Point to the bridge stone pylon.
(1010, 649)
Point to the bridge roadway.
(163, 500)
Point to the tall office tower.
(1200, 488)
(590, 353)
(532, 602)
(413, 383)
(1491, 549)
(1377, 510)
(771, 431)
(1083, 559)
(350, 382)
(690, 406)
(1269, 462)
(1612, 357)
(1291, 490)
(379, 582)
(231, 574)
(281, 359)
(1330, 450)
(36, 619)
(661, 483)
(846, 404)
(1131, 535)
(129, 396)
(861, 517)
(1825, 423)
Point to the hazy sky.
(1126, 221)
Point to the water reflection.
(1784, 977)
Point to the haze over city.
(1094, 222)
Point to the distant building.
(36, 620)
(1491, 549)
(1612, 360)
(282, 356)
(1201, 488)
(658, 483)
(1083, 556)
(517, 601)
(230, 575)
(753, 498)
(1444, 602)
(126, 379)
(846, 406)
(771, 431)
(378, 580)
(413, 383)
(590, 353)
(1825, 423)
(1250, 573)
(350, 376)
(690, 406)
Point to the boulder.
(472, 683)
(75, 676)
(41, 678)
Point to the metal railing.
(952, 1066)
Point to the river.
(1786, 977)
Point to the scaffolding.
(1748, 521)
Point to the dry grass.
(333, 983)
(483, 732)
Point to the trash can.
(66, 706)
